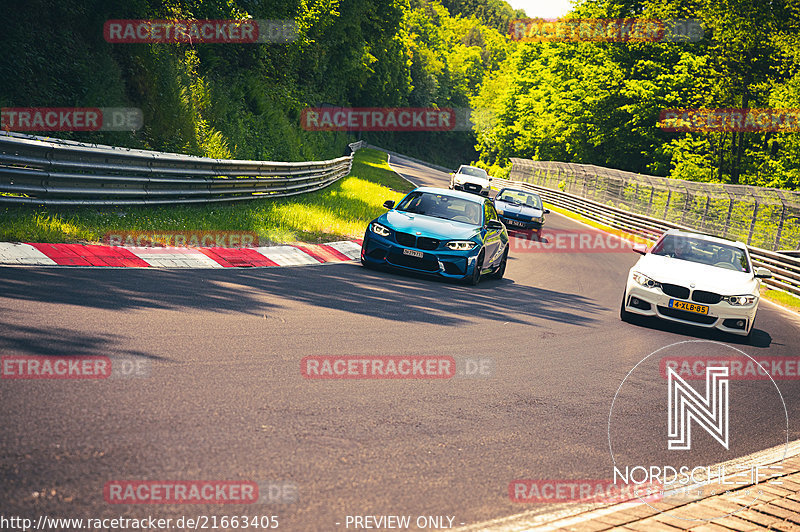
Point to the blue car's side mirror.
(389, 204)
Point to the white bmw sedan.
(697, 280)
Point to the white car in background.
(697, 280)
(471, 179)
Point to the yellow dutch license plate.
(689, 307)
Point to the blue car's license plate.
(413, 253)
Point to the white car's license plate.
(516, 223)
(413, 253)
(689, 307)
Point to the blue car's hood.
(428, 226)
(515, 208)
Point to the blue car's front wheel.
(501, 268)
(475, 278)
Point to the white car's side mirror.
(641, 249)
(763, 273)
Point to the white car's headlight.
(378, 229)
(461, 245)
(740, 301)
(645, 281)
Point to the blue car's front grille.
(405, 239)
(411, 241)
(427, 243)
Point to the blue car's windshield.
(520, 197)
(442, 206)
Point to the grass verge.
(782, 298)
(338, 212)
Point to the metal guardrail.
(413, 159)
(785, 268)
(45, 171)
(759, 216)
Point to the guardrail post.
(704, 219)
(780, 225)
(728, 219)
(753, 222)
(669, 197)
(685, 206)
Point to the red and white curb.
(12, 253)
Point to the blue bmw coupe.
(439, 232)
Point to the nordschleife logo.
(709, 411)
(723, 436)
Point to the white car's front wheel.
(624, 315)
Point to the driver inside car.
(473, 213)
(725, 256)
(682, 249)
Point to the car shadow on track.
(344, 287)
(759, 337)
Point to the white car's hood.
(704, 277)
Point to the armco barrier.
(759, 216)
(45, 171)
(785, 268)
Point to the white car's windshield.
(442, 206)
(703, 251)
(521, 197)
(472, 172)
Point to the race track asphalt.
(224, 397)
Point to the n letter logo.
(686, 405)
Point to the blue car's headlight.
(379, 230)
(461, 245)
